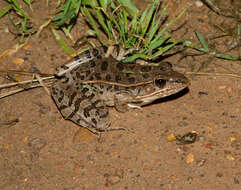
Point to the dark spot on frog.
(97, 76)
(145, 75)
(66, 80)
(76, 58)
(132, 66)
(165, 66)
(72, 96)
(120, 66)
(131, 80)
(145, 68)
(88, 55)
(116, 87)
(78, 75)
(94, 121)
(95, 52)
(92, 64)
(108, 77)
(104, 65)
(84, 90)
(54, 92)
(72, 72)
(103, 113)
(117, 78)
(128, 75)
(61, 96)
(87, 73)
(109, 87)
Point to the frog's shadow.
(171, 97)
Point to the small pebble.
(189, 158)
(189, 180)
(219, 174)
(112, 180)
(230, 157)
(229, 91)
(27, 52)
(183, 124)
(171, 137)
(37, 143)
(201, 93)
(201, 163)
(34, 156)
(198, 3)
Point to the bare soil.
(41, 150)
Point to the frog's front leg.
(123, 101)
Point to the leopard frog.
(91, 83)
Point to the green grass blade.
(104, 4)
(28, 2)
(134, 57)
(202, 41)
(148, 18)
(5, 10)
(63, 44)
(239, 30)
(129, 6)
(227, 57)
(101, 21)
(156, 44)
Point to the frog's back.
(109, 70)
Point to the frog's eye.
(160, 83)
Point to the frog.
(90, 84)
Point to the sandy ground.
(43, 151)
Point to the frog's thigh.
(121, 100)
(91, 111)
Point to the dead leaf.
(18, 61)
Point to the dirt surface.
(41, 150)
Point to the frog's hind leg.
(95, 113)
(79, 60)
(83, 107)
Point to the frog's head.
(162, 86)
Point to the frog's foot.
(118, 52)
(123, 53)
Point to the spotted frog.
(91, 83)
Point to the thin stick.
(24, 82)
(214, 74)
(42, 84)
(5, 94)
(2, 95)
(24, 72)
